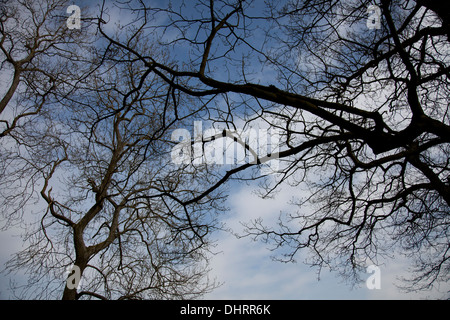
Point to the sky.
(245, 268)
(248, 272)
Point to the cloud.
(246, 267)
(247, 271)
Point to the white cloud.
(246, 267)
(247, 271)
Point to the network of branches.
(87, 117)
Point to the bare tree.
(363, 111)
(38, 56)
(115, 212)
(364, 119)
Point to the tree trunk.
(81, 261)
(69, 294)
(70, 289)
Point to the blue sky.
(245, 267)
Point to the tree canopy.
(359, 107)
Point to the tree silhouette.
(98, 155)
(364, 116)
(364, 131)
